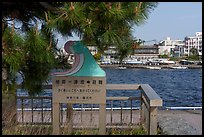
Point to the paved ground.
(181, 122)
(172, 122)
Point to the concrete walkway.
(180, 122)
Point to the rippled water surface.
(178, 88)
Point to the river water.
(176, 87)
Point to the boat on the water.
(132, 61)
(179, 67)
(122, 67)
(153, 67)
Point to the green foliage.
(47, 130)
(193, 51)
(101, 23)
(164, 56)
(29, 55)
(12, 50)
(193, 57)
(123, 50)
(35, 74)
(97, 56)
(134, 131)
(40, 60)
(12, 59)
(174, 59)
(98, 23)
(28, 130)
(37, 47)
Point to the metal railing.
(149, 102)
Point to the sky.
(169, 19)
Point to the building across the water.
(145, 52)
(171, 47)
(193, 42)
(178, 48)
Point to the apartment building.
(178, 50)
(172, 48)
(193, 42)
(166, 47)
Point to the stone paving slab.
(181, 122)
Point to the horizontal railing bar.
(34, 123)
(22, 124)
(49, 109)
(122, 86)
(107, 98)
(152, 97)
(35, 109)
(108, 86)
(48, 86)
(123, 98)
(177, 108)
(127, 108)
(28, 97)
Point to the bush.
(163, 56)
(193, 57)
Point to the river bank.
(146, 66)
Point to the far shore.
(145, 66)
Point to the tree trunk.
(9, 110)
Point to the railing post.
(151, 101)
(22, 110)
(142, 110)
(51, 112)
(153, 121)
(147, 120)
(111, 114)
(91, 116)
(61, 112)
(15, 107)
(81, 113)
(42, 110)
(56, 118)
(70, 118)
(32, 108)
(102, 119)
(131, 111)
(121, 112)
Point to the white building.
(193, 42)
(179, 48)
(107, 57)
(166, 47)
(93, 49)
